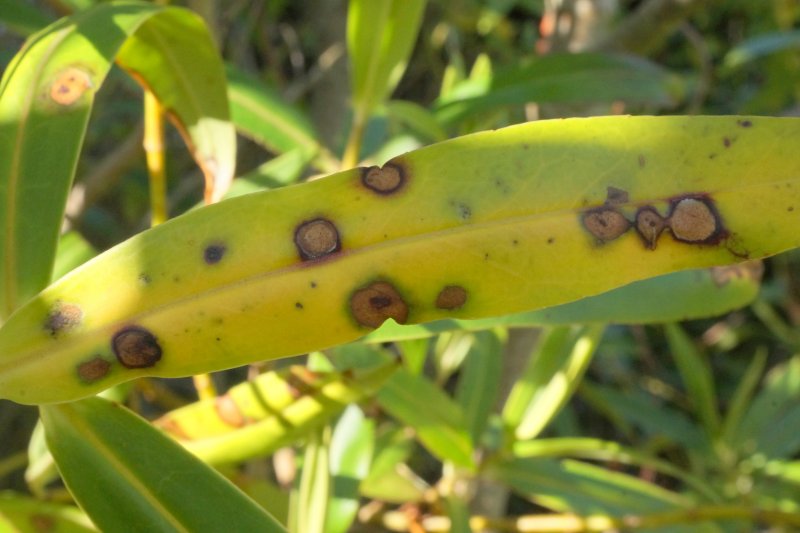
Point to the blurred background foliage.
(653, 426)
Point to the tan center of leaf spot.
(375, 303)
(63, 317)
(650, 224)
(93, 369)
(136, 347)
(451, 297)
(605, 223)
(316, 238)
(385, 180)
(69, 86)
(692, 220)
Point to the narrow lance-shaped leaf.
(127, 476)
(493, 223)
(46, 95)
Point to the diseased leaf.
(46, 95)
(499, 222)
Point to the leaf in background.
(685, 295)
(695, 372)
(760, 46)
(437, 420)
(46, 95)
(581, 488)
(389, 478)
(174, 56)
(380, 37)
(311, 498)
(769, 428)
(22, 17)
(479, 382)
(72, 251)
(498, 222)
(128, 476)
(742, 397)
(261, 114)
(350, 458)
(553, 373)
(256, 418)
(419, 120)
(566, 79)
(22, 514)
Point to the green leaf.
(685, 295)
(565, 79)
(380, 37)
(760, 46)
(487, 224)
(419, 120)
(261, 114)
(479, 382)
(743, 396)
(769, 428)
(696, 375)
(21, 17)
(127, 476)
(581, 488)
(389, 478)
(21, 514)
(350, 458)
(437, 420)
(73, 251)
(553, 373)
(313, 494)
(46, 95)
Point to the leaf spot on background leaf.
(213, 253)
(135, 347)
(384, 180)
(649, 224)
(316, 238)
(605, 223)
(451, 297)
(93, 369)
(69, 86)
(695, 221)
(228, 411)
(373, 304)
(63, 317)
(744, 123)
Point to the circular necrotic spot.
(135, 347)
(373, 304)
(605, 223)
(316, 238)
(649, 224)
(93, 369)
(69, 86)
(451, 297)
(63, 317)
(693, 220)
(213, 253)
(383, 180)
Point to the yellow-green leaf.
(488, 224)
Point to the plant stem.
(353, 149)
(154, 151)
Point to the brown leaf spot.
(228, 411)
(42, 522)
(605, 223)
(615, 196)
(69, 86)
(373, 304)
(744, 123)
(213, 253)
(93, 369)
(316, 238)
(135, 347)
(451, 297)
(384, 180)
(694, 220)
(63, 317)
(649, 224)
